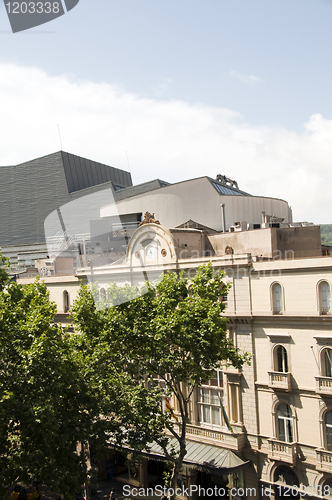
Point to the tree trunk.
(177, 468)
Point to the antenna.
(128, 162)
(60, 138)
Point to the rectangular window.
(208, 403)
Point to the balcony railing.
(234, 441)
(280, 380)
(324, 385)
(324, 460)
(279, 450)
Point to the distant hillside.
(326, 234)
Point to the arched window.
(277, 300)
(284, 478)
(324, 297)
(281, 362)
(327, 488)
(65, 301)
(326, 362)
(328, 430)
(285, 423)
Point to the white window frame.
(277, 303)
(324, 297)
(208, 402)
(285, 359)
(283, 419)
(326, 359)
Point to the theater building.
(278, 309)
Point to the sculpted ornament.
(149, 219)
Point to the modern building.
(31, 191)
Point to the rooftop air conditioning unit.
(240, 226)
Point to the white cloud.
(161, 89)
(172, 140)
(243, 77)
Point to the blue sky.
(187, 88)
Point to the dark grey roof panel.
(29, 192)
(82, 173)
(139, 189)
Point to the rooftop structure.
(30, 191)
(216, 203)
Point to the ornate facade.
(279, 310)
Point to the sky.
(180, 89)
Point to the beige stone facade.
(279, 310)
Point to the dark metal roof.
(30, 191)
(82, 173)
(139, 189)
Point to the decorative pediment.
(151, 245)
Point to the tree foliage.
(326, 234)
(46, 407)
(132, 412)
(166, 341)
(102, 384)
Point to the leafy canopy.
(165, 341)
(45, 404)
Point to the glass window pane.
(214, 380)
(325, 296)
(284, 410)
(214, 398)
(289, 428)
(327, 362)
(282, 365)
(328, 418)
(215, 415)
(328, 430)
(277, 298)
(206, 414)
(281, 430)
(205, 395)
(329, 438)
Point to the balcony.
(324, 460)
(280, 380)
(324, 385)
(234, 441)
(279, 450)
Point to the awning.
(204, 457)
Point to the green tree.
(172, 337)
(132, 413)
(46, 407)
(326, 234)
